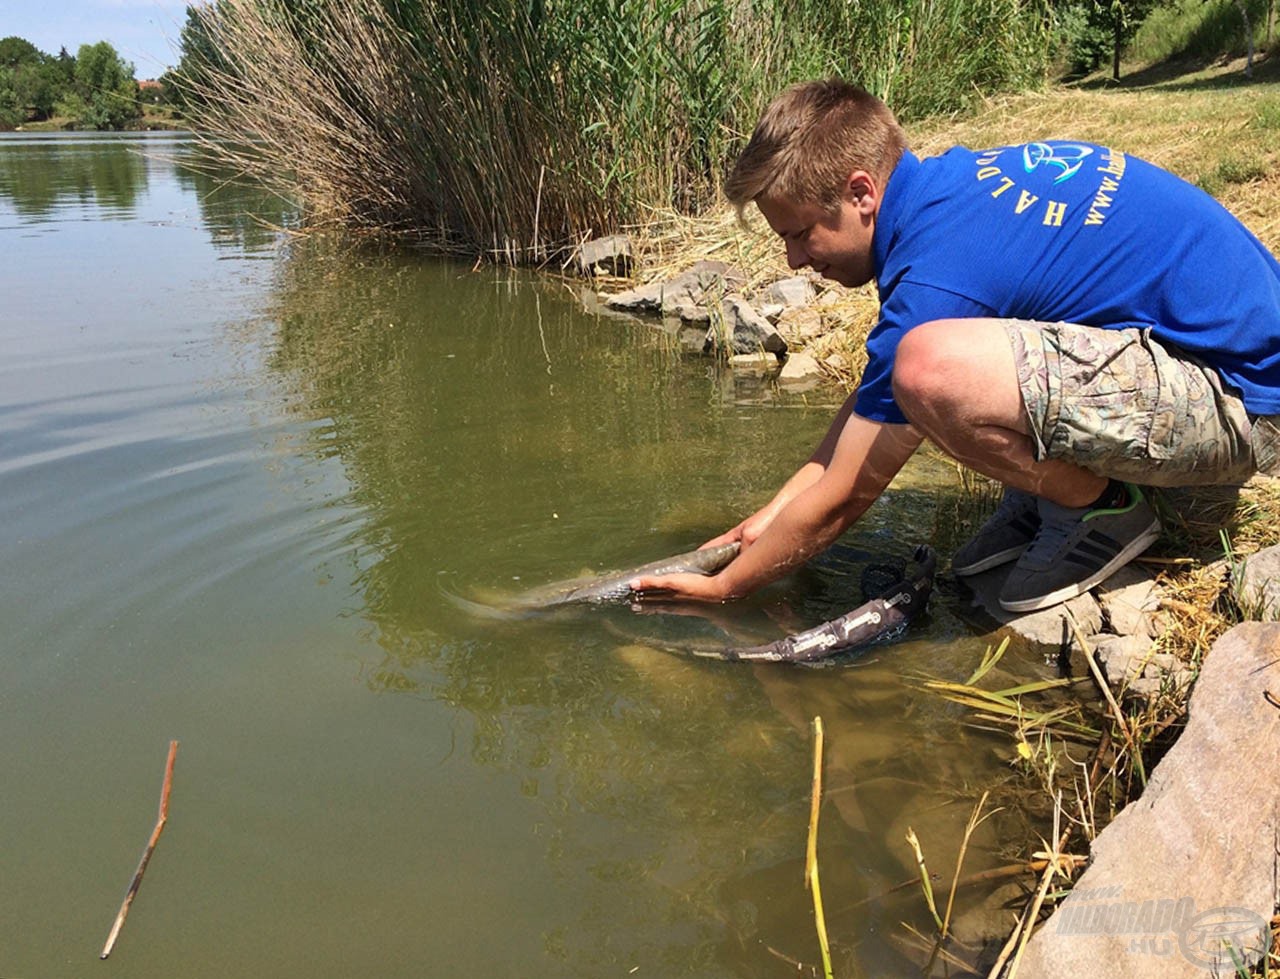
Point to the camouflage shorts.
(1120, 403)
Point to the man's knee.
(924, 366)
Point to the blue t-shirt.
(1077, 233)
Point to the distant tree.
(15, 51)
(66, 67)
(1123, 17)
(38, 87)
(199, 58)
(33, 83)
(105, 88)
(1100, 29)
(11, 113)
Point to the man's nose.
(797, 257)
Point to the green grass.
(1198, 30)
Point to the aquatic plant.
(516, 129)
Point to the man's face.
(835, 245)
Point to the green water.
(241, 474)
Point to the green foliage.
(1095, 31)
(105, 87)
(199, 60)
(16, 51)
(32, 81)
(517, 126)
(1232, 170)
(1199, 29)
(94, 90)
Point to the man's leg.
(957, 382)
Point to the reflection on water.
(238, 493)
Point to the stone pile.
(1124, 618)
(763, 330)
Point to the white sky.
(143, 31)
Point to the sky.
(144, 32)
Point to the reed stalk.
(811, 851)
(516, 129)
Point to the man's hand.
(680, 587)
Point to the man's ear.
(863, 191)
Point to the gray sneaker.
(1003, 537)
(1075, 549)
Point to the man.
(1064, 318)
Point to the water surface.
(241, 474)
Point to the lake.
(242, 475)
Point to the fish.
(880, 619)
(601, 589)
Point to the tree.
(1124, 17)
(200, 58)
(105, 87)
(1097, 29)
(16, 51)
(32, 81)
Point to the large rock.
(1132, 663)
(1130, 601)
(801, 372)
(795, 292)
(611, 255)
(1187, 873)
(1047, 627)
(688, 295)
(740, 329)
(800, 324)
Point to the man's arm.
(849, 470)
(753, 526)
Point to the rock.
(790, 293)
(742, 330)
(611, 255)
(1130, 601)
(1132, 664)
(1191, 864)
(686, 296)
(1047, 627)
(1258, 586)
(801, 372)
(760, 362)
(800, 324)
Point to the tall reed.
(517, 127)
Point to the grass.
(513, 130)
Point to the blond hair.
(808, 142)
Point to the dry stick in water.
(811, 850)
(146, 855)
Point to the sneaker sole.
(1136, 547)
(990, 561)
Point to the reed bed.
(514, 130)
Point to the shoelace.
(1057, 524)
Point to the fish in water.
(604, 589)
(880, 619)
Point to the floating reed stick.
(146, 855)
(811, 850)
